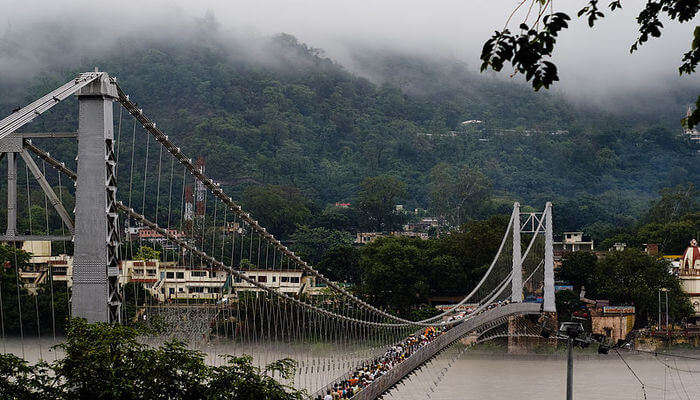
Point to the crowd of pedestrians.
(379, 366)
(394, 355)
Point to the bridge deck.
(386, 381)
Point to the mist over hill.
(272, 110)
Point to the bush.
(107, 362)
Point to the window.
(294, 279)
(171, 290)
(252, 277)
(180, 275)
(274, 278)
(284, 279)
(197, 289)
(170, 275)
(151, 272)
(237, 280)
(179, 289)
(262, 278)
(199, 273)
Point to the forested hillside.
(286, 115)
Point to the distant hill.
(285, 114)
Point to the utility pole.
(664, 307)
(570, 369)
(574, 334)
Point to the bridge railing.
(425, 353)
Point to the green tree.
(103, 361)
(458, 194)
(392, 274)
(476, 242)
(147, 253)
(340, 218)
(279, 209)
(312, 243)
(376, 201)
(578, 268)
(674, 202)
(341, 263)
(567, 302)
(633, 277)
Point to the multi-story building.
(42, 265)
(167, 281)
(688, 270)
(573, 241)
(367, 237)
(144, 234)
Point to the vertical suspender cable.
(19, 298)
(2, 313)
(29, 199)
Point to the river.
(595, 378)
(499, 376)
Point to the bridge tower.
(94, 231)
(517, 284)
(96, 294)
(533, 224)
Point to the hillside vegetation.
(292, 118)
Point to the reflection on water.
(481, 377)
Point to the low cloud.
(595, 64)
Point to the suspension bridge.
(221, 277)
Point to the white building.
(573, 241)
(42, 265)
(168, 281)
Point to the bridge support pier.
(516, 345)
(95, 264)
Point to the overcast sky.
(591, 62)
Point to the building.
(292, 281)
(619, 247)
(168, 281)
(42, 265)
(422, 226)
(688, 270)
(232, 228)
(419, 235)
(165, 280)
(573, 241)
(367, 237)
(614, 322)
(149, 235)
(691, 257)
